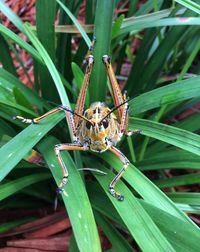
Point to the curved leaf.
(134, 215)
(74, 197)
(172, 93)
(74, 20)
(20, 145)
(16, 185)
(178, 137)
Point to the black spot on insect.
(86, 114)
(105, 123)
(88, 125)
(99, 110)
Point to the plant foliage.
(160, 42)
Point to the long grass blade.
(190, 5)
(75, 199)
(138, 217)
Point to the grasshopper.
(97, 128)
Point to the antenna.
(115, 108)
(69, 110)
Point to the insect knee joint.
(106, 59)
(57, 149)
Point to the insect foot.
(64, 181)
(116, 195)
(22, 119)
(137, 131)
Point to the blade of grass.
(75, 21)
(170, 159)
(134, 23)
(15, 83)
(136, 27)
(5, 56)
(11, 35)
(45, 32)
(74, 197)
(190, 5)
(17, 56)
(102, 31)
(189, 60)
(145, 187)
(185, 197)
(172, 93)
(12, 16)
(189, 209)
(178, 232)
(151, 71)
(119, 243)
(189, 179)
(20, 145)
(49, 64)
(164, 107)
(9, 188)
(151, 239)
(169, 134)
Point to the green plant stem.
(189, 60)
(131, 149)
(102, 31)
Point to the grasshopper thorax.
(99, 131)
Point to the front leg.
(58, 148)
(125, 162)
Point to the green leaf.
(172, 93)
(119, 243)
(20, 145)
(116, 26)
(75, 199)
(151, 239)
(49, 64)
(12, 16)
(5, 56)
(46, 35)
(137, 26)
(190, 5)
(75, 21)
(11, 35)
(12, 82)
(185, 197)
(79, 77)
(149, 192)
(169, 134)
(16, 185)
(180, 234)
(102, 32)
(189, 179)
(170, 159)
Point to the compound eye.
(88, 125)
(105, 123)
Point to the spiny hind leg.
(125, 162)
(58, 148)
